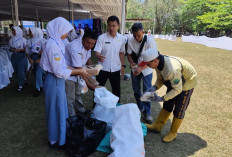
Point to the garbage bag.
(105, 106)
(83, 135)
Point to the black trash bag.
(83, 135)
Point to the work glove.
(158, 98)
(152, 89)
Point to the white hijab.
(37, 35)
(17, 40)
(58, 27)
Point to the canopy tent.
(45, 10)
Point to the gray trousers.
(73, 98)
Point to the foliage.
(213, 16)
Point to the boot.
(160, 121)
(173, 131)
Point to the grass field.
(205, 131)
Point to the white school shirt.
(34, 47)
(134, 45)
(53, 60)
(110, 47)
(77, 55)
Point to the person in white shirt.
(53, 63)
(140, 73)
(109, 50)
(78, 53)
(33, 51)
(18, 59)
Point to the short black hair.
(136, 27)
(113, 18)
(90, 34)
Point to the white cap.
(149, 55)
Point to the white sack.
(126, 138)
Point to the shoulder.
(102, 36)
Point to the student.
(53, 63)
(109, 51)
(34, 51)
(18, 59)
(137, 44)
(180, 78)
(78, 54)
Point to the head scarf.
(58, 27)
(37, 37)
(16, 41)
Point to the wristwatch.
(124, 66)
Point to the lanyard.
(60, 49)
(16, 40)
(32, 46)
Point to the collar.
(161, 63)
(108, 34)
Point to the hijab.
(17, 40)
(56, 28)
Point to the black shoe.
(36, 93)
(55, 146)
(20, 89)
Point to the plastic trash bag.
(105, 106)
(83, 135)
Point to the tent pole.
(12, 12)
(16, 13)
(37, 18)
(72, 14)
(123, 17)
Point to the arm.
(98, 49)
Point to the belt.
(34, 54)
(21, 52)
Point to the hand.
(83, 73)
(133, 65)
(31, 62)
(137, 71)
(152, 89)
(101, 58)
(158, 98)
(37, 61)
(122, 71)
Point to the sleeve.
(176, 83)
(56, 62)
(24, 43)
(159, 81)
(76, 58)
(122, 49)
(27, 48)
(99, 44)
(129, 49)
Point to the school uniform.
(110, 47)
(145, 76)
(19, 59)
(77, 56)
(34, 46)
(53, 63)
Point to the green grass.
(205, 131)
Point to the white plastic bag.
(105, 106)
(126, 138)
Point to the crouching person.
(78, 54)
(180, 78)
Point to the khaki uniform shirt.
(174, 69)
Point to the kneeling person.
(78, 54)
(180, 78)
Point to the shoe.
(36, 93)
(20, 89)
(148, 119)
(55, 146)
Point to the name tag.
(107, 42)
